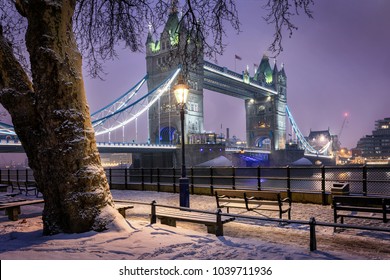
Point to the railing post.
(17, 175)
(323, 181)
(233, 178)
(110, 177)
(125, 178)
(174, 179)
(192, 180)
(142, 178)
(153, 217)
(258, 178)
(26, 175)
(288, 182)
(211, 180)
(313, 240)
(9, 176)
(151, 175)
(364, 179)
(158, 179)
(1, 179)
(219, 225)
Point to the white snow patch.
(23, 239)
(119, 224)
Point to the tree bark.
(52, 120)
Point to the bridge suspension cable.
(124, 114)
(302, 140)
(123, 110)
(120, 102)
(7, 129)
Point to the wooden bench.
(122, 208)
(345, 205)
(122, 205)
(213, 221)
(25, 187)
(12, 209)
(230, 199)
(10, 197)
(28, 187)
(253, 201)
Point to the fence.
(363, 180)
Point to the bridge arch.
(168, 135)
(264, 143)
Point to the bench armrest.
(287, 199)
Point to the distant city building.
(377, 145)
(356, 156)
(344, 156)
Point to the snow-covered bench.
(12, 209)
(354, 206)
(253, 201)
(213, 221)
(122, 208)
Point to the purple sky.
(335, 63)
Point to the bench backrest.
(264, 195)
(230, 193)
(368, 201)
(21, 203)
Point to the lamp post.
(181, 91)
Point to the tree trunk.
(52, 120)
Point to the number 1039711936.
(242, 270)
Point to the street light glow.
(181, 91)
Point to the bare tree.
(41, 86)
(51, 117)
(280, 14)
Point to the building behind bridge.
(375, 148)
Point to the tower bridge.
(221, 79)
(264, 93)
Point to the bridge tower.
(266, 115)
(161, 61)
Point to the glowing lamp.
(181, 90)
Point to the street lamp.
(181, 91)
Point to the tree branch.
(101, 25)
(280, 15)
(21, 7)
(12, 74)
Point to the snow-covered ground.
(242, 240)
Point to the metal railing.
(363, 180)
